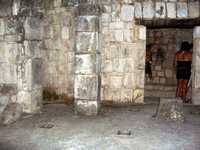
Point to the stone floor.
(58, 128)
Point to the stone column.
(29, 66)
(196, 67)
(87, 79)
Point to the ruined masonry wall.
(58, 50)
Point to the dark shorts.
(148, 68)
(183, 70)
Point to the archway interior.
(165, 42)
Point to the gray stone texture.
(170, 109)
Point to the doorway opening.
(164, 43)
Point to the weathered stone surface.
(127, 12)
(11, 114)
(142, 32)
(171, 10)
(86, 42)
(117, 35)
(148, 9)
(86, 87)
(160, 10)
(182, 10)
(4, 101)
(87, 23)
(85, 107)
(2, 26)
(138, 10)
(138, 95)
(85, 64)
(5, 8)
(170, 109)
(33, 28)
(116, 25)
(15, 7)
(194, 9)
(196, 33)
(8, 89)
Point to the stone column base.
(87, 107)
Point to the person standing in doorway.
(183, 62)
(148, 61)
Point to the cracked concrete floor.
(66, 131)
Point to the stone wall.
(58, 50)
(122, 55)
(165, 44)
(20, 53)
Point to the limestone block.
(116, 25)
(33, 49)
(13, 38)
(169, 73)
(128, 80)
(65, 33)
(127, 12)
(86, 42)
(142, 32)
(33, 28)
(171, 10)
(57, 3)
(138, 10)
(116, 82)
(160, 10)
(148, 9)
(85, 64)
(140, 78)
(24, 98)
(107, 7)
(138, 95)
(129, 65)
(128, 35)
(2, 26)
(182, 10)
(10, 52)
(170, 109)
(126, 95)
(15, 7)
(194, 9)
(87, 23)
(119, 65)
(196, 33)
(86, 87)
(106, 66)
(4, 101)
(116, 96)
(88, 108)
(105, 17)
(36, 72)
(30, 100)
(117, 36)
